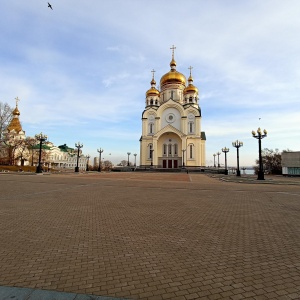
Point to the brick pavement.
(150, 236)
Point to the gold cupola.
(15, 122)
(152, 91)
(190, 88)
(173, 76)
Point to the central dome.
(173, 77)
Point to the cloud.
(86, 67)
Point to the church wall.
(171, 116)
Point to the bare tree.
(5, 117)
(271, 160)
(123, 163)
(107, 165)
(31, 145)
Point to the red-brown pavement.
(150, 236)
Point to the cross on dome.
(17, 100)
(153, 71)
(173, 48)
(190, 68)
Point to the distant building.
(13, 149)
(17, 150)
(171, 123)
(290, 162)
(64, 157)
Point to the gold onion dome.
(190, 88)
(153, 91)
(16, 112)
(173, 76)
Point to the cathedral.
(171, 123)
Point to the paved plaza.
(149, 236)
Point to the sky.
(81, 70)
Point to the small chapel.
(171, 123)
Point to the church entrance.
(170, 163)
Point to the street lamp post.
(151, 153)
(78, 146)
(135, 159)
(218, 153)
(225, 151)
(42, 138)
(214, 159)
(183, 151)
(237, 144)
(87, 164)
(259, 135)
(128, 153)
(100, 152)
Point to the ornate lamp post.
(225, 151)
(42, 138)
(100, 152)
(259, 135)
(151, 154)
(135, 159)
(128, 153)
(78, 146)
(183, 151)
(214, 159)
(87, 164)
(218, 153)
(237, 144)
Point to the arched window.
(191, 127)
(175, 149)
(170, 150)
(191, 151)
(151, 128)
(151, 102)
(164, 149)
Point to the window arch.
(150, 151)
(175, 149)
(170, 149)
(165, 149)
(191, 151)
(191, 127)
(151, 128)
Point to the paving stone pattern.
(150, 236)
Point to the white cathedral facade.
(171, 123)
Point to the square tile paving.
(150, 236)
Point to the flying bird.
(50, 6)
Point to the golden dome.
(173, 77)
(152, 92)
(190, 89)
(16, 111)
